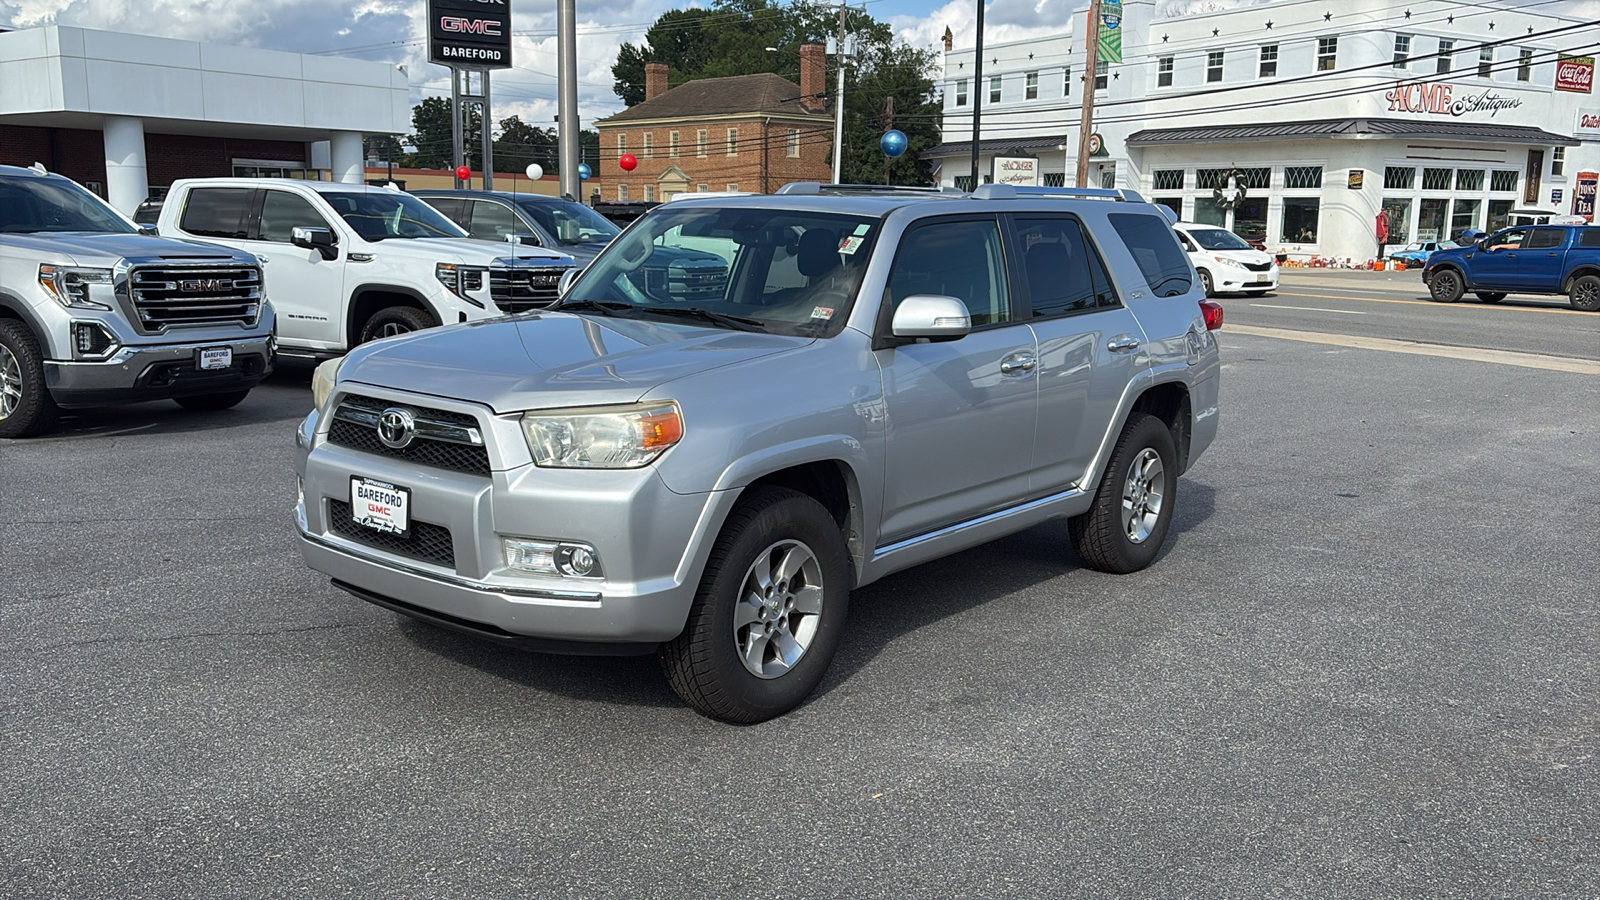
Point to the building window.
(994, 89)
(1164, 72)
(1524, 64)
(1213, 65)
(672, 144)
(649, 193)
(1399, 178)
(1463, 215)
(1469, 179)
(1100, 70)
(1066, 82)
(733, 185)
(733, 142)
(1173, 203)
(622, 144)
(1503, 180)
(1436, 179)
(622, 192)
(700, 143)
(1031, 86)
(1500, 213)
(700, 188)
(1398, 212)
(1402, 50)
(1269, 61)
(1206, 179)
(964, 183)
(1300, 220)
(1302, 177)
(1055, 179)
(1447, 49)
(794, 143)
(648, 141)
(1486, 61)
(1108, 175)
(1558, 162)
(1327, 53)
(1168, 180)
(961, 92)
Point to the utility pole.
(888, 123)
(977, 95)
(838, 109)
(1091, 35)
(567, 96)
(484, 120)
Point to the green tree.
(432, 140)
(520, 144)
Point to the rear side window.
(1589, 237)
(454, 210)
(1062, 271)
(217, 212)
(1545, 238)
(1156, 251)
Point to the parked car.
(1417, 252)
(1539, 259)
(95, 312)
(1226, 262)
(349, 263)
(623, 212)
(890, 376)
(534, 219)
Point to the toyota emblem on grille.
(195, 285)
(396, 428)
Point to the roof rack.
(1122, 194)
(817, 187)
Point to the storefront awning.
(1393, 129)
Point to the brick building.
(741, 133)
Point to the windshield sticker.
(863, 228)
(822, 312)
(851, 244)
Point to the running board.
(914, 551)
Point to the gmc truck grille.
(687, 283)
(192, 296)
(438, 438)
(519, 290)
(427, 542)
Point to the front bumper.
(1235, 280)
(137, 373)
(650, 541)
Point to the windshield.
(775, 270)
(1218, 239)
(378, 215)
(570, 223)
(31, 203)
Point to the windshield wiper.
(603, 307)
(738, 323)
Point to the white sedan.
(1225, 262)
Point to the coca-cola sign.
(1440, 100)
(1575, 74)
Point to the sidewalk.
(1409, 280)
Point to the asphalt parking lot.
(1366, 665)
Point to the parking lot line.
(1348, 312)
(1503, 357)
(1467, 305)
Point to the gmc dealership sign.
(1575, 73)
(472, 34)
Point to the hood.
(1244, 256)
(103, 249)
(465, 251)
(547, 360)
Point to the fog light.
(92, 341)
(577, 561)
(551, 557)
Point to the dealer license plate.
(212, 358)
(1263, 279)
(380, 506)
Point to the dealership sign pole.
(470, 36)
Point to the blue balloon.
(584, 171)
(893, 142)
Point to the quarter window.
(282, 212)
(1269, 61)
(1213, 65)
(1149, 239)
(955, 259)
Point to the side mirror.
(525, 237)
(318, 239)
(931, 316)
(149, 231)
(565, 284)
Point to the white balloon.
(535, 171)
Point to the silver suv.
(873, 379)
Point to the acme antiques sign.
(1439, 100)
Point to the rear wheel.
(1123, 531)
(395, 320)
(1491, 296)
(1446, 286)
(26, 407)
(209, 402)
(1585, 293)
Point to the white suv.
(1225, 262)
(346, 263)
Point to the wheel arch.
(1579, 272)
(13, 307)
(368, 299)
(1168, 401)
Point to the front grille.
(354, 427)
(177, 296)
(1259, 267)
(521, 289)
(427, 542)
(687, 283)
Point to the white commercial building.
(128, 114)
(1296, 123)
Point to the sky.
(393, 31)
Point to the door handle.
(1016, 364)
(1123, 344)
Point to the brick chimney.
(655, 80)
(813, 77)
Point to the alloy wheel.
(1142, 496)
(780, 609)
(10, 382)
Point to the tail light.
(1212, 310)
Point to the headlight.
(1231, 263)
(77, 288)
(462, 280)
(602, 437)
(323, 381)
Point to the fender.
(1576, 273)
(410, 293)
(1143, 382)
(22, 310)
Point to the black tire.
(395, 320)
(706, 664)
(1446, 286)
(1584, 293)
(1104, 538)
(1206, 284)
(26, 407)
(1491, 296)
(1265, 293)
(210, 402)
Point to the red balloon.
(463, 172)
(627, 162)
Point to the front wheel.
(212, 402)
(1585, 293)
(1491, 296)
(1446, 286)
(1123, 531)
(395, 320)
(769, 612)
(1206, 283)
(26, 407)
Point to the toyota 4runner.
(883, 377)
(93, 312)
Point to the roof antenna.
(38, 169)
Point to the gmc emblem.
(458, 25)
(211, 285)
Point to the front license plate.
(380, 506)
(1263, 279)
(212, 358)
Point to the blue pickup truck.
(1532, 259)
